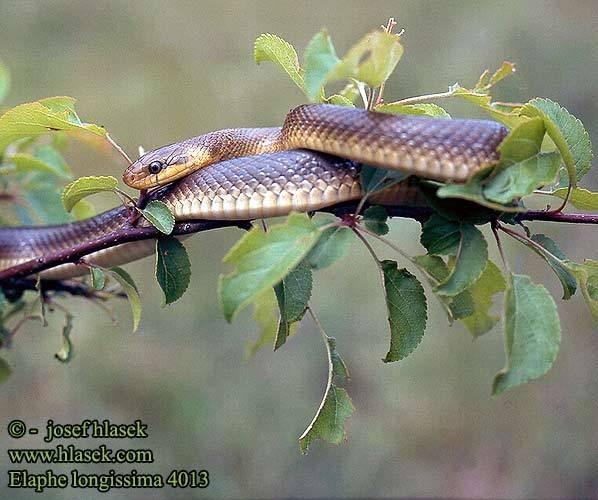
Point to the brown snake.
(264, 172)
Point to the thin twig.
(120, 150)
(500, 249)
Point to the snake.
(313, 161)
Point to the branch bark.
(132, 233)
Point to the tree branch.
(131, 233)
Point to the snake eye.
(155, 167)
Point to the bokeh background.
(155, 72)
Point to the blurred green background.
(155, 72)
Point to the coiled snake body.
(265, 172)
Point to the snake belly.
(267, 185)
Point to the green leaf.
(374, 179)
(407, 310)
(98, 278)
(472, 257)
(423, 109)
(587, 276)
(66, 352)
(371, 60)
(489, 283)
(173, 269)
(557, 264)
(46, 203)
(4, 81)
(510, 118)
(263, 259)
(334, 243)
(83, 210)
(292, 294)
(473, 191)
(339, 368)
(319, 59)
(522, 142)
(5, 370)
(85, 186)
(274, 49)
(329, 422)
(580, 198)
(532, 333)
(436, 269)
(25, 162)
(159, 216)
(568, 134)
(523, 178)
(130, 288)
(36, 118)
(265, 314)
(374, 219)
(340, 100)
(440, 236)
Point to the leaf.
(334, 243)
(580, 198)
(488, 284)
(374, 219)
(436, 269)
(522, 178)
(329, 422)
(339, 368)
(557, 264)
(587, 276)
(522, 142)
(440, 236)
(407, 310)
(340, 100)
(66, 352)
(371, 60)
(130, 288)
(4, 81)
(532, 333)
(568, 134)
(374, 179)
(265, 314)
(319, 59)
(36, 118)
(5, 370)
(46, 203)
(473, 191)
(472, 257)
(263, 259)
(173, 269)
(159, 216)
(292, 294)
(510, 117)
(98, 278)
(274, 49)
(86, 186)
(25, 162)
(83, 210)
(423, 109)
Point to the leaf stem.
(369, 247)
(388, 243)
(330, 371)
(505, 263)
(120, 150)
(424, 98)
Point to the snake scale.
(310, 163)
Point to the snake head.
(164, 165)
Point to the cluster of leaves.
(546, 153)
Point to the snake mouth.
(137, 176)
